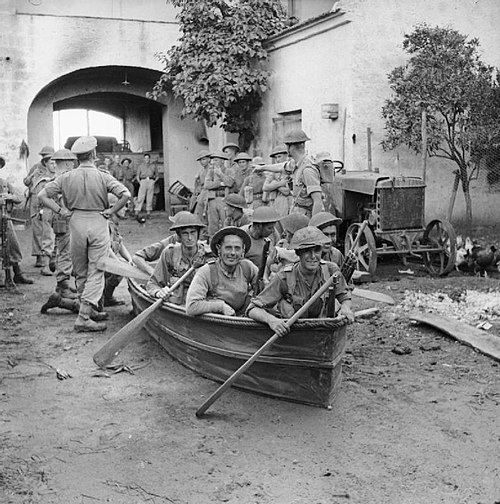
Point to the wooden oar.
(128, 333)
(121, 268)
(201, 410)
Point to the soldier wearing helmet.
(292, 287)
(225, 284)
(239, 170)
(218, 183)
(324, 160)
(42, 236)
(235, 206)
(198, 203)
(84, 192)
(252, 188)
(327, 223)
(231, 150)
(261, 229)
(177, 258)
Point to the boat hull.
(303, 367)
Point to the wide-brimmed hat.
(295, 136)
(84, 144)
(235, 200)
(308, 237)
(230, 230)
(324, 219)
(242, 156)
(202, 154)
(126, 159)
(293, 222)
(185, 219)
(264, 214)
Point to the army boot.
(109, 299)
(19, 278)
(52, 302)
(70, 304)
(64, 289)
(97, 315)
(45, 266)
(84, 323)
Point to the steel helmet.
(202, 154)
(257, 161)
(324, 219)
(293, 222)
(264, 214)
(308, 237)
(46, 151)
(295, 136)
(279, 149)
(84, 144)
(235, 200)
(230, 230)
(186, 219)
(63, 155)
(219, 154)
(242, 156)
(323, 156)
(231, 144)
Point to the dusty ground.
(422, 427)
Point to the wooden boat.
(304, 367)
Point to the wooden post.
(424, 145)
(369, 146)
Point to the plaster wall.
(345, 59)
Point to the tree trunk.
(468, 201)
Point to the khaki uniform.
(239, 222)
(153, 252)
(216, 190)
(146, 173)
(212, 285)
(171, 266)
(200, 196)
(306, 180)
(254, 253)
(84, 192)
(290, 291)
(14, 248)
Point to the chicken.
(462, 254)
(480, 259)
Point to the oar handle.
(201, 410)
(168, 290)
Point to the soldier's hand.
(279, 327)
(228, 310)
(106, 213)
(163, 294)
(65, 213)
(345, 311)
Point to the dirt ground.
(418, 427)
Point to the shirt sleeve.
(161, 274)
(54, 187)
(196, 299)
(153, 252)
(272, 293)
(311, 180)
(115, 187)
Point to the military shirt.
(216, 184)
(254, 253)
(278, 290)
(241, 221)
(85, 188)
(232, 288)
(147, 170)
(153, 252)
(306, 180)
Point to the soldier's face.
(280, 158)
(310, 258)
(204, 161)
(331, 232)
(242, 164)
(267, 229)
(188, 237)
(231, 250)
(229, 210)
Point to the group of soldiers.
(264, 263)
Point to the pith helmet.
(323, 156)
(235, 200)
(264, 214)
(257, 160)
(242, 156)
(230, 230)
(293, 222)
(202, 154)
(295, 136)
(186, 219)
(63, 155)
(279, 149)
(308, 237)
(219, 154)
(84, 144)
(46, 151)
(324, 219)
(231, 144)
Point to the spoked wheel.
(440, 235)
(366, 251)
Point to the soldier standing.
(240, 170)
(147, 175)
(42, 235)
(84, 192)
(199, 200)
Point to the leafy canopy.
(218, 66)
(445, 76)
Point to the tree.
(218, 66)
(445, 77)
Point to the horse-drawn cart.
(395, 210)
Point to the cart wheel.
(366, 251)
(440, 234)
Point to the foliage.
(445, 76)
(218, 67)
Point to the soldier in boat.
(327, 223)
(293, 286)
(224, 285)
(177, 258)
